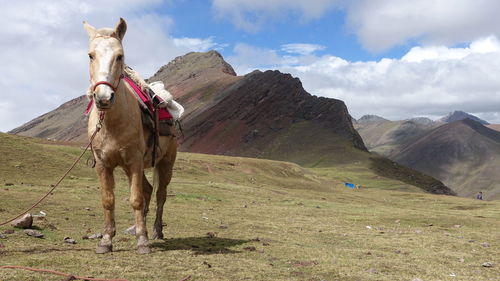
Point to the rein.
(97, 129)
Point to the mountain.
(460, 115)
(495, 127)
(371, 119)
(464, 154)
(261, 114)
(269, 115)
(66, 123)
(383, 136)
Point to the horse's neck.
(124, 113)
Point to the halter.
(108, 84)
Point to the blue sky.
(329, 31)
(397, 59)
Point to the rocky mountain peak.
(422, 121)
(371, 119)
(460, 115)
(194, 64)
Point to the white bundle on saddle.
(172, 106)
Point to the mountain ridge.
(263, 115)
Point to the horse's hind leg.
(108, 203)
(163, 172)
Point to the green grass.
(303, 224)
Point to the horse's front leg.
(108, 203)
(137, 200)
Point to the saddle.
(153, 117)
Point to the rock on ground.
(34, 233)
(69, 240)
(25, 221)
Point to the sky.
(396, 59)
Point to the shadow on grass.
(200, 245)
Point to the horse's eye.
(91, 57)
(119, 57)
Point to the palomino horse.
(122, 139)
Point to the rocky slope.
(269, 114)
(65, 123)
(495, 127)
(383, 136)
(460, 115)
(464, 154)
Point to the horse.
(122, 140)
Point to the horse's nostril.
(112, 96)
(94, 95)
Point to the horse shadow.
(200, 245)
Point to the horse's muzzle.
(104, 104)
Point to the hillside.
(460, 115)
(269, 115)
(495, 127)
(464, 154)
(236, 218)
(65, 123)
(383, 136)
(262, 115)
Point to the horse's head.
(106, 62)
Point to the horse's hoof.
(103, 249)
(143, 250)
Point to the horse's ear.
(91, 31)
(120, 29)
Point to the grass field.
(268, 220)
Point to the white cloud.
(196, 44)
(382, 24)
(302, 49)
(486, 45)
(44, 49)
(378, 24)
(428, 81)
(248, 58)
(252, 15)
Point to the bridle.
(107, 84)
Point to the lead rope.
(97, 129)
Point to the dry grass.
(303, 224)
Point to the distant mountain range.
(460, 115)
(457, 149)
(261, 114)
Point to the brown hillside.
(383, 136)
(464, 154)
(65, 123)
(268, 112)
(495, 127)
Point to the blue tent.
(350, 185)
